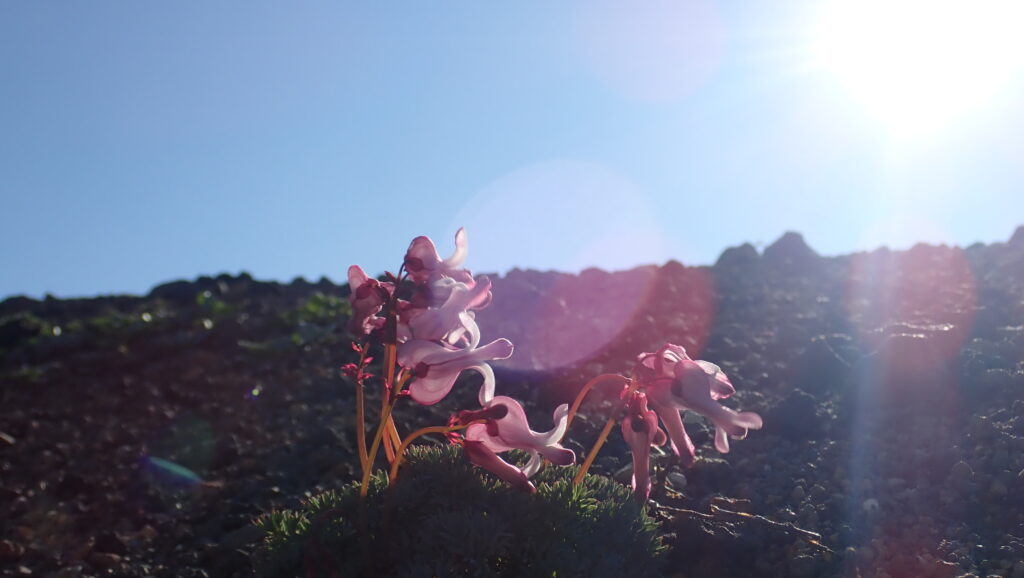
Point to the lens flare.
(171, 473)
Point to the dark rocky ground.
(890, 383)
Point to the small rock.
(676, 480)
(624, 475)
(148, 533)
(818, 493)
(710, 472)
(104, 560)
(797, 494)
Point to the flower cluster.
(425, 318)
(671, 382)
(435, 338)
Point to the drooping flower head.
(505, 427)
(368, 298)
(453, 321)
(437, 365)
(640, 430)
(424, 265)
(674, 383)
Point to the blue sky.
(144, 142)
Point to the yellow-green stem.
(586, 389)
(594, 451)
(604, 435)
(364, 487)
(388, 396)
(392, 438)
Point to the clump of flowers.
(425, 319)
(561, 523)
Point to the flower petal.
(513, 432)
(483, 457)
(367, 300)
(640, 429)
(721, 387)
(682, 446)
(461, 250)
(424, 264)
(438, 366)
(721, 440)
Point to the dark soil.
(891, 386)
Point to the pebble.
(624, 475)
(797, 494)
(818, 493)
(676, 480)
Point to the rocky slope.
(140, 435)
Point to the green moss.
(443, 517)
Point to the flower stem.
(361, 411)
(393, 437)
(365, 483)
(604, 435)
(594, 451)
(389, 396)
(603, 378)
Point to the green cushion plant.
(444, 517)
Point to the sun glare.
(918, 64)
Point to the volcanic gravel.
(139, 436)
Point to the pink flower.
(507, 429)
(424, 264)
(368, 298)
(662, 365)
(694, 387)
(480, 455)
(453, 320)
(640, 430)
(437, 366)
(674, 382)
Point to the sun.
(918, 64)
